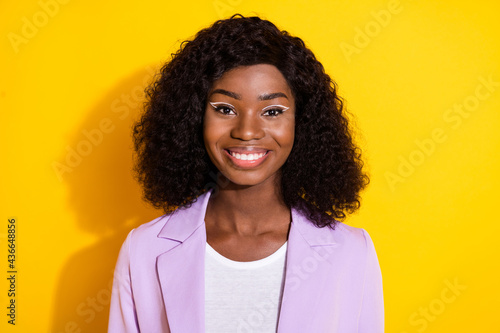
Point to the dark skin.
(246, 232)
(249, 132)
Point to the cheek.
(208, 135)
(285, 135)
(209, 128)
(212, 132)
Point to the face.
(249, 124)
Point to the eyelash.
(277, 110)
(223, 108)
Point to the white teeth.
(247, 157)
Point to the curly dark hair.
(323, 175)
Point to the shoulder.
(358, 244)
(352, 243)
(345, 243)
(150, 229)
(356, 236)
(144, 240)
(355, 244)
(171, 229)
(339, 234)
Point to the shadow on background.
(107, 203)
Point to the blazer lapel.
(308, 261)
(181, 270)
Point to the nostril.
(248, 129)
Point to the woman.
(245, 145)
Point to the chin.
(250, 180)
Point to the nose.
(247, 127)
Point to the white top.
(243, 297)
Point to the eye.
(274, 110)
(224, 108)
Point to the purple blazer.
(333, 281)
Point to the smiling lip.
(247, 158)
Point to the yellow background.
(79, 72)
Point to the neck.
(248, 210)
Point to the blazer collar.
(181, 270)
(184, 221)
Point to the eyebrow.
(227, 93)
(264, 97)
(267, 97)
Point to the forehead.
(255, 80)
